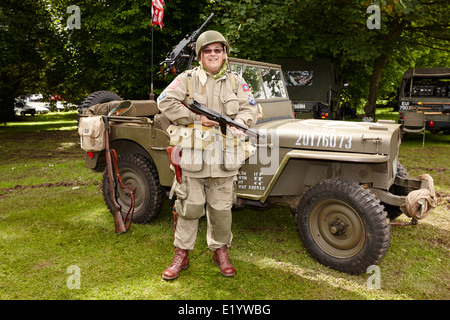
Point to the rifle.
(182, 53)
(118, 221)
(223, 121)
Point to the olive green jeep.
(342, 180)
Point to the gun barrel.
(197, 32)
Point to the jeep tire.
(138, 172)
(343, 226)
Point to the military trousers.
(197, 196)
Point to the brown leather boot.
(180, 262)
(220, 258)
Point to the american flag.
(157, 12)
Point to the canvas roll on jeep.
(342, 180)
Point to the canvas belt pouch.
(236, 150)
(192, 136)
(92, 133)
(193, 140)
(174, 134)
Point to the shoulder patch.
(162, 96)
(174, 83)
(251, 100)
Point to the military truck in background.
(425, 92)
(314, 88)
(341, 179)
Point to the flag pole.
(157, 16)
(152, 95)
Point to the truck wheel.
(343, 226)
(138, 172)
(98, 97)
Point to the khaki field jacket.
(229, 95)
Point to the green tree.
(25, 32)
(112, 48)
(371, 58)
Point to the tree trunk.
(378, 67)
(7, 95)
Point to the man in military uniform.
(205, 181)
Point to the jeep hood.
(331, 135)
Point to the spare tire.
(98, 97)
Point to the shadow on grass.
(42, 122)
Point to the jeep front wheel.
(139, 173)
(343, 226)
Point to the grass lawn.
(53, 221)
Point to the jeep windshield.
(267, 85)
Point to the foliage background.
(112, 49)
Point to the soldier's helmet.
(208, 37)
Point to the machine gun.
(183, 53)
(223, 121)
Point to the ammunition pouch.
(230, 151)
(192, 137)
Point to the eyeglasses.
(209, 51)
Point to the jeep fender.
(329, 164)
